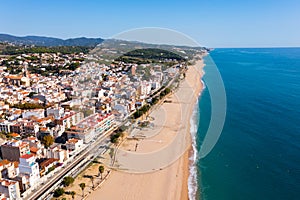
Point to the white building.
(5, 126)
(57, 112)
(56, 152)
(98, 123)
(39, 113)
(74, 144)
(122, 110)
(84, 133)
(70, 118)
(155, 85)
(29, 167)
(91, 127)
(144, 89)
(10, 189)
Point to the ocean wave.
(203, 83)
(192, 180)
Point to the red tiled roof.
(14, 77)
(15, 135)
(4, 162)
(31, 138)
(72, 140)
(33, 149)
(26, 156)
(47, 162)
(16, 164)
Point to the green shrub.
(58, 192)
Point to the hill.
(150, 55)
(50, 41)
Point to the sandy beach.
(156, 166)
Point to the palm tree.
(92, 179)
(73, 194)
(101, 170)
(82, 186)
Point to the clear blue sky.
(214, 23)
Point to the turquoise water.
(258, 153)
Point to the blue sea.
(258, 153)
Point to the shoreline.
(192, 168)
(191, 179)
(174, 177)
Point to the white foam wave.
(204, 86)
(192, 180)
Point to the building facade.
(10, 189)
(13, 150)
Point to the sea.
(257, 155)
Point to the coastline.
(171, 180)
(192, 168)
(191, 187)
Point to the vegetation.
(50, 169)
(165, 92)
(144, 109)
(92, 179)
(49, 69)
(114, 138)
(101, 170)
(72, 193)
(31, 94)
(155, 101)
(47, 140)
(74, 66)
(68, 180)
(5, 135)
(28, 106)
(96, 161)
(157, 91)
(87, 112)
(15, 50)
(162, 92)
(144, 124)
(58, 192)
(82, 186)
(149, 55)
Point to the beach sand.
(158, 168)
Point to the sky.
(212, 23)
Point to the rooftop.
(27, 156)
(6, 182)
(72, 141)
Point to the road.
(89, 151)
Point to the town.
(54, 106)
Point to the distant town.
(58, 105)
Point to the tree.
(72, 193)
(114, 139)
(58, 192)
(47, 140)
(101, 170)
(167, 90)
(74, 66)
(31, 94)
(27, 106)
(50, 169)
(82, 186)
(68, 180)
(92, 179)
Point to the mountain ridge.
(49, 41)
